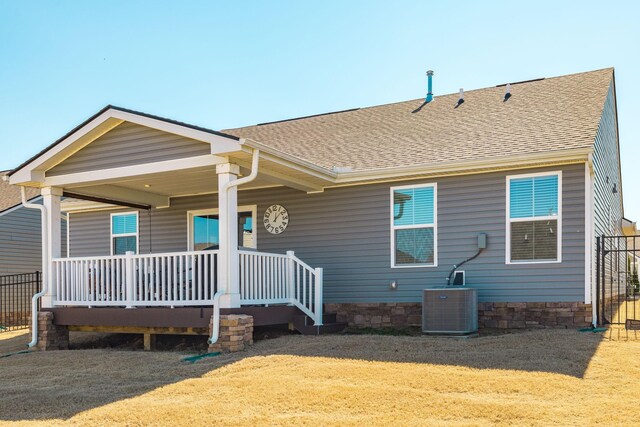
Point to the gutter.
(45, 266)
(215, 328)
(335, 178)
(578, 155)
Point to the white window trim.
(434, 185)
(509, 220)
(136, 234)
(247, 208)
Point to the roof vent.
(429, 97)
(507, 93)
(460, 98)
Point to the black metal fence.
(16, 291)
(617, 285)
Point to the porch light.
(147, 185)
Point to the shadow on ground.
(105, 369)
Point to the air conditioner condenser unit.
(451, 310)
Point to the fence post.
(129, 278)
(318, 303)
(597, 296)
(603, 260)
(291, 278)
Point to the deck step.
(304, 324)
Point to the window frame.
(510, 220)
(216, 211)
(393, 227)
(136, 234)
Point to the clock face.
(276, 219)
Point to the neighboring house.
(20, 232)
(385, 200)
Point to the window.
(124, 233)
(534, 218)
(413, 226)
(204, 228)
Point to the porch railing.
(267, 278)
(171, 279)
(185, 279)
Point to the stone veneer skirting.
(50, 336)
(236, 333)
(502, 315)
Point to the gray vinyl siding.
(21, 241)
(130, 144)
(606, 166)
(347, 232)
(608, 211)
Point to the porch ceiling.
(185, 183)
(156, 189)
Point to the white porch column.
(51, 200)
(228, 274)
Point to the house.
(348, 214)
(20, 234)
(20, 254)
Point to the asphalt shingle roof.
(544, 115)
(10, 194)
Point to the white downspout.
(215, 328)
(45, 266)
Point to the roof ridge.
(533, 80)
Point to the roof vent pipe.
(507, 93)
(460, 98)
(429, 97)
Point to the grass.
(540, 377)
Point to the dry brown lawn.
(541, 377)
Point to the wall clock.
(276, 219)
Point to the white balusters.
(171, 279)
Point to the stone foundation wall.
(378, 315)
(50, 336)
(517, 315)
(502, 315)
(236, 333)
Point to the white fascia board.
(127, 195)
(282, 158)
(286, 180)
(34, 171)
(219, 143)
(455, 168)
(112, 175)
(336, 179)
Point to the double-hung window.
(413, 226)
(124, 233)
(534, 218)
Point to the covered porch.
(185, 279)
(122, 159)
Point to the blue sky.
(229, 64)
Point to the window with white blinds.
(534, 218)
(124, 233)
(413, 226)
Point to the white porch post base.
(51, 200)
(228, 271)
(230, 301)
